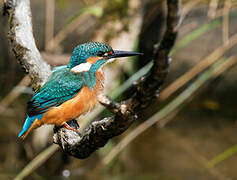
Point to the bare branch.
(23, 43)
(95, 136)
(99, 132)
(148, 86)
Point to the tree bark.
(23, 43)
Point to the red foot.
(70, 128)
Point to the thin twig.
(188, 6)
(225, 24)
(10, 97)
(206, 62)
(212, 9)
(195, 154)
(36, 162)
(222, 156)
(49, 22)
(62, 34)
(54, 43)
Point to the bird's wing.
(62, 86)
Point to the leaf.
(222, 156)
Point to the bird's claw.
(73, 126)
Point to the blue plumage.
(28, 122)
(61, 86)
(65, 84)
(86, 50)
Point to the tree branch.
(99, 132)
(23, 43)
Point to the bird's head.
(93, 55)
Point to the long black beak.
(124, 54)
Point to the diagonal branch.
(148, 86)
(23, 43)
(99, 132)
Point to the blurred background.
(192, 130)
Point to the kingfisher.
(71, 90)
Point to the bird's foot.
(72, 125)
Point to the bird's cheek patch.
(110, 60)
(83, 67)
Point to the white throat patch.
(84, 67)
(110, 60)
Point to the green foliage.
(222, 156)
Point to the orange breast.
(84, 101)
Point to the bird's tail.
(26, 127)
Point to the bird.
(72, 89)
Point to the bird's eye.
(103, 54)
(100, 53)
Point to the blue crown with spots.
(90, 49)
